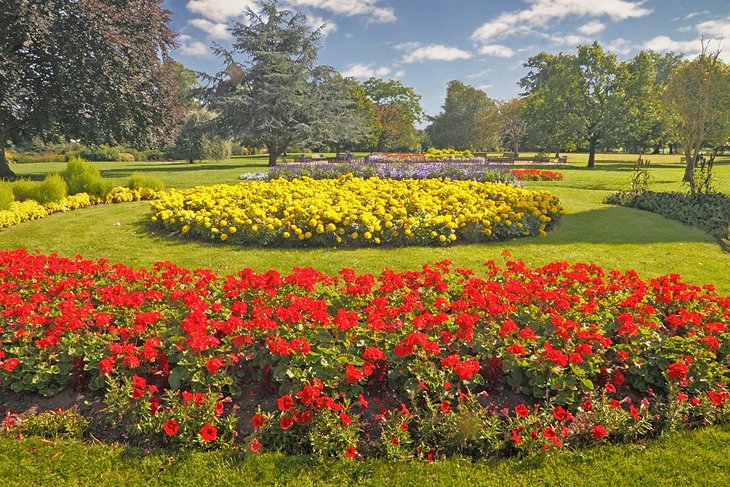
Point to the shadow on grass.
(620, 225)
(181, 168)
(606, 225)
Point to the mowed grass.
(686, 458)
(613, 237)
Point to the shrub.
(24, 189)
(53, 188)
(101, 187)
(708, 211)
(28, 157)
(140, 180)
(101, 153)
(153, 155)
(127, 157)
(83, 177)
(6, 196)
(137, 155)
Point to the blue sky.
(484, 43)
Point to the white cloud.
(719, 28)
(220, 10)
(350, 8)
(191, 47)
(315, 22)
(399, 74)
(485, 87)
(433, 52)
(666, 43)
(497, 50)
(542, 12)
(479, 74)
(591, 28)
(365, 71)
(214, 30)
(567, 40)
(619, 46)
(695, 14)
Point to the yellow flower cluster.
(439, 154)
(354, 211)
(22, 211)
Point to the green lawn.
(689, 458)
(614, 237)
(611, 236)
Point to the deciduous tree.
(88, 70)
(469, 120)
(699, 93)
(198, 141)
(399, 109)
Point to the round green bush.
(139, 180)
(82, 177)
(53, 188)
(24, 189)
(6, 196)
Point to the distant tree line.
(272, 93)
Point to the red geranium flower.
(255, 445)
(522, 411)
(10, 364)
(257, 421)
(285, 403)
(209, 432)
(445, 407)
(171, 426)
(351, 452)
(599, 431)
(559, 413)
(677, 370)
(286, 422)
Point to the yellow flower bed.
(22, 211)
(356, 212)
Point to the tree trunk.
(516, 148)
(273, 155)
(5, 172)
(690, 159)
(592, 152)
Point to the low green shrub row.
(103, 153)
(79, 176)
(710, 212)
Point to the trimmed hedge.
(710, 212)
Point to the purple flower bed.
(473, 169)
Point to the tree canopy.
(398, 108)
(469, 120)
(698, 92)
(85, 70)
(279, 96)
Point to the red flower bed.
(536, 175)
(395, 364)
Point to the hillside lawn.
(613, 237)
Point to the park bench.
(500, 160)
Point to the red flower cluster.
(338, 342)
